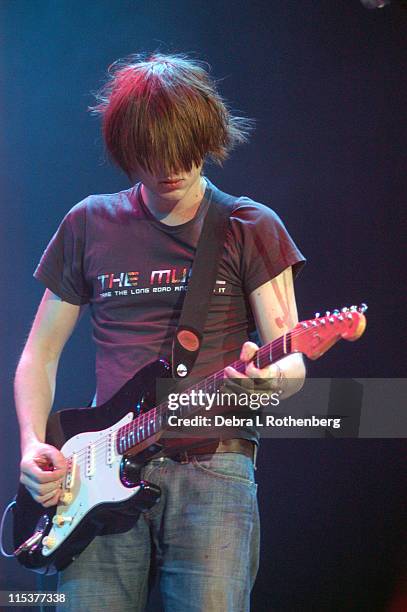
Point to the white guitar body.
(93, 478)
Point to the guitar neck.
(267, 354)
(155, 420)
(312, 338)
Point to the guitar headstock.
(315, 336)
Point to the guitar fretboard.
(156, 419)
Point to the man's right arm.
(42, 465)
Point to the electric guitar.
(106, 447)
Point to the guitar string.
(145, 417)
(218, 376)
(142, 418)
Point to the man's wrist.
(279, 380)
(28, 439)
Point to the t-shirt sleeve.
(267, 247)
(61, 265)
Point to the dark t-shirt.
(112, 253)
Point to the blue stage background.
(326, 83)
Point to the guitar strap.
(188, 336)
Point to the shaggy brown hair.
(163, 113)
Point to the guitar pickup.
(90, 460)
(110, 452)
(70, 472)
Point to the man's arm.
(42, 465)
(275, 312)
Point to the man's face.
(172, 187)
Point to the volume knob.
(60, 519)
(66, 498)
(49, 541)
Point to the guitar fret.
(130, 438)
(122, 444)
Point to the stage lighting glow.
(374, 4)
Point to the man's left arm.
(275, 312)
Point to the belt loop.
(184, 458)
(256, 448)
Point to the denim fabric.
(203, 537)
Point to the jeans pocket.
(233, 467)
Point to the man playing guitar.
(125, 254)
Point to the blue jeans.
(203, 536)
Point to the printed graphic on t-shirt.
(134, 282)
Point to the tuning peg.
(340, 317)
(328, 313)
(363, 308)
(353, 308)
(317, 315)
(336, 312)
(322, 321)
(331, 320)
(314, 323)
(345, 309)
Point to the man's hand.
(43, 468)
(286, 376)
(269, 374)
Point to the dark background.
(325, 81)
